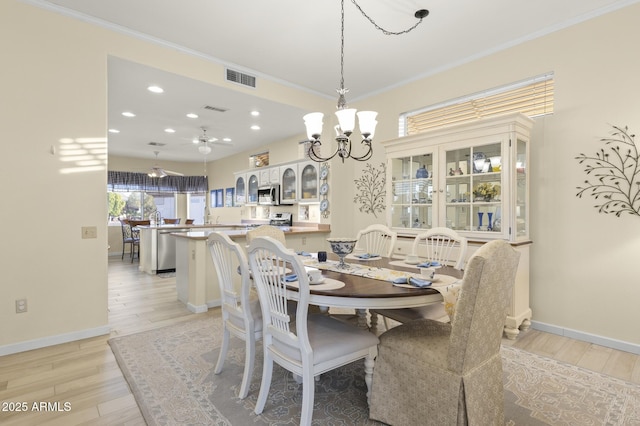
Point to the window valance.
(129, 181)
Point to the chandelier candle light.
(347, 116)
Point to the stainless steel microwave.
(269, 195)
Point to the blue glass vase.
(480, 214)
(490, 224)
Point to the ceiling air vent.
(156, 144)
(241, 78)
(214, 108)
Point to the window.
(532, 97)
(196, 205)
(139, 205)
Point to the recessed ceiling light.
(169, 130)
(155, 89)
(255, 127)
(114, 131)
(255, 113)
(128, 114)
(192, 115)
(226, 139)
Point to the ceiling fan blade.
(172, 173)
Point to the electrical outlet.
(304, 241)
(89, 232)
(21, 306)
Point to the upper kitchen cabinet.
(472, 178)
(253, 182)
(288, 183)
(309, 176)
(241, 189)
(269, 175)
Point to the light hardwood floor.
(85, 374)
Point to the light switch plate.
(89, 232)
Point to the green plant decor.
(613, 174)
(371, 188)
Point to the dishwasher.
(167, 249)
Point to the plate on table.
(320, 281)
(364, 257)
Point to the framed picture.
(228, 197)
(217, 198)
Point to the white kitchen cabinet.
(241, 189)
(473, 178)
(269, 175)
(289, 183)
(309, 178)
(253, 182)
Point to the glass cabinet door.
(288, 179)
(412, 191)
(240, 191)
(521, 214)
(473, 188)
(308, 182)
(252, 196)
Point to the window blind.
(533, 97)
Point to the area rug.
(170, 372)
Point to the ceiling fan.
(159, 172)
(204, 142)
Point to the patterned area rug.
(170, 373)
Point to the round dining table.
(363, 293)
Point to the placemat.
(328, 284)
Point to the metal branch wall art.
(371, 188)
(614, 174)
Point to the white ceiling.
(298, 42)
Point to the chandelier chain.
(386, 32)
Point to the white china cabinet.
(473, 178)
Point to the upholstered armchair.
(434, 373)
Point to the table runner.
(450, 293)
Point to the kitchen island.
(196, 278)
(158, 247)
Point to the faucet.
(158, 217)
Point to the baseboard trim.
(197, 309)
(587, 337)
(53, 340)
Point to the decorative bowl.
(342, 247)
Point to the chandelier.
(347, 116)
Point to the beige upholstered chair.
(266, 231)
(434, 373)
(377, 239)
(306, 348)
(442, 245)
(241, 314)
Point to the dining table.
(364, 292)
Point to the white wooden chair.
(266, 231)
(377, 239)
(306, 348)
(241, 315)
(442, 245)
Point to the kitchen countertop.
(241, 233)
